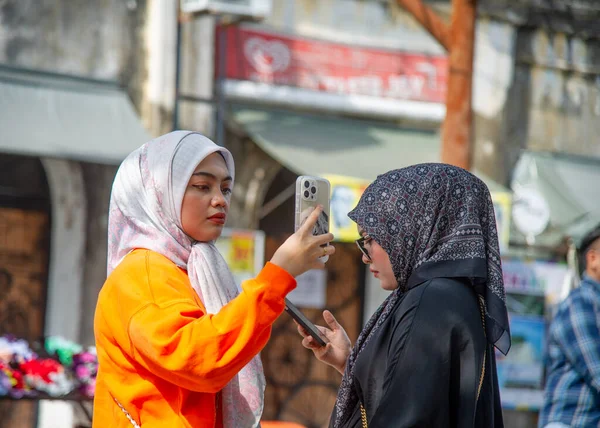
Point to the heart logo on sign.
(267, 56)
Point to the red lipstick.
(218, 218)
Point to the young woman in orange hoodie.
(177, 340)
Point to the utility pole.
(458, 39)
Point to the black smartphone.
(301, 319)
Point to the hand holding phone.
(338, 348)
(302, 251)
(301, 319)
(310, 192)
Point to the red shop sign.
(317, 65)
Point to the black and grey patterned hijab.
(434, 221)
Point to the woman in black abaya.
(426, 357)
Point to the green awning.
(45, 114)
(322, 145)
(325, 145)
(570, 186)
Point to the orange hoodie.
(161, 356)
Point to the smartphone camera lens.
(306, 194)
(313, 190)
(306, 184)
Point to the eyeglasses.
(360, 242)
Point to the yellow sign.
(241, 252)
(502, 208)
(345, 194)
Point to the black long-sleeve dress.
(422, 367)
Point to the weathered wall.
(533, 90)
(100, 39)
(493, 76)
(368, 23)
(563, 91)
(160, 36)
(197, 75)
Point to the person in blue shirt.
(572, 392)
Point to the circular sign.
(531, 212)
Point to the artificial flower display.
(54, 368)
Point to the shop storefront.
(61, 139)
(348, 114)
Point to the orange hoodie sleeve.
(176, 340)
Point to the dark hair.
(587, 241)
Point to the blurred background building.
(340, 88)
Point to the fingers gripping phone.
(310, 192)
(304, 322)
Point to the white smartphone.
(310, 192)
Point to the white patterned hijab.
(145, 212)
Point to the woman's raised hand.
(336, 352)
(301, 251)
